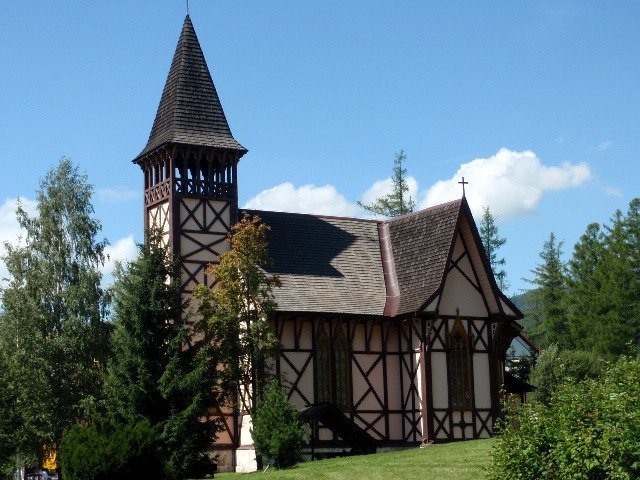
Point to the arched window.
(342, 372)
(323, 367)
(459, 367)
(333, 369)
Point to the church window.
(333, 372)
(342, 361)
(323, 367)
(459, 367)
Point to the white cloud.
(9, 229)
(323, 200)
(117, 195)
(605, 145)
(612, 191)
(385, 187)
(509, 183)
(124, 250)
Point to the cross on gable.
(463, 183)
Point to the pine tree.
(604, 286)
(492, 242)
(52, 330)
(163, 367)
(584, 283)
(277, 429)
(394, 203)
(549, 297)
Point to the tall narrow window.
(342, 362)
(459, 367)
(333, 369)
(323, 367)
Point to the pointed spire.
(190, 111)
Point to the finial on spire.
(187, 6)
(463, 183)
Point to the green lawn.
(452, 461)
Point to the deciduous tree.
(237, 311)
(53, 332)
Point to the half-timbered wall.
(466, 294)
(474, 422)
(202, 230)
(158, 218)
(191, 198)
(386, 375)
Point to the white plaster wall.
(376, 338)
(458, 293)
(392, 338)
(506, 308)
(158, 217)
(246, 425)
(458, 248)
(393, 382)
(483, 275)
(246, 460)
(358, 337)
(306, 336)
(439, 381)
(442, 434)
(485, 333)
(199, 214)
(376, 378)
(465, 266)
(481, 380)
(437, 342)
(395, 426)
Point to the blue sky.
(535, 103)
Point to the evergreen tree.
(584, 284)
(163, 368)
(492, 241)
(604, 285)
(617, 323)
(52, 331)
(277, 429)
(549, 297)
(394, 203)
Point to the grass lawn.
(452, 461)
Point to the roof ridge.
(423, 211)
(316, 215)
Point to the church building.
(393, 332)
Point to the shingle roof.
(190, 111)
(326, 264)
(421, 243)
(335, 264)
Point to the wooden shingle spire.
(190, 112)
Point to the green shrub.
(590, 430)
(555, 367)
(277, 433)
(106, 450)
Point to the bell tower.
(189, 165)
